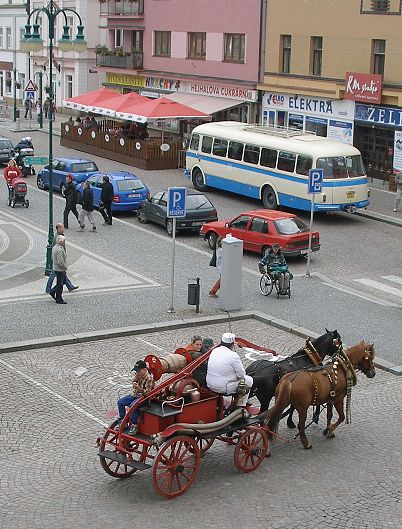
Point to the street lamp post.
(41, 100)
(15, 95)
(32, 41)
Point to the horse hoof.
(325, 432)
(268, 454)
(291, 425)
(308, 446)
(330, 435)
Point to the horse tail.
(282, 400)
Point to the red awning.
(124, 103)
(95, 98)
(161, 109)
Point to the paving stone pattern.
(51, 477)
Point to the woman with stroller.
(10, 172)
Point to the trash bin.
(17, 114)
(193, 294)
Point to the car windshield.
(341, 167)
(197, 202)
(6, 144)
(129, 185)
(84, 167)
(290, 226)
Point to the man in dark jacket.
(70, 195)
(87, 207)
(106, 200)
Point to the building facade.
(334, 68)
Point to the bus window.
(304, 163)
(268, 157)
(355, 166)
(334, 167)
(286, 161)
(206, 144)
(251, 154)
(235, 150)
(195, 142)
(220, 147)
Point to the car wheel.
(141, 216)
(9, 202)
(212, 238)
(269, 198)
(26, 203)
(40, 183)
(63, 190)
(198, 180)
(169, 227)
(13, 203)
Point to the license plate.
(198, 223)
(350, 194)
(303, 252)
(134, 195)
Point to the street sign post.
(36, 160)
(176, 208)
(315, 178)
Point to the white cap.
(228, 337)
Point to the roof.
(73, 160)
(120, 175)
(269, 214)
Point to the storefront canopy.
(206, 104)
(123, 104)
(93, 99)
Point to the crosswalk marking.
(381, 286)
(394, 279)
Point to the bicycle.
(270, 279)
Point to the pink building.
(204, 53)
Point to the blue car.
(129, 193)
(80, 169)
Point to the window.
(240, 223)
(286, 47)
(1, 38)
(162, 43)
(235, 150)
(206, 144)
(380, 6)
(268, 157)
(84, 167)
(132, 184)
(22, 33)
(197, 43)
(355, 166)
(195, 142)
(251, 154)
(316, 55)
(70, 23)
(334, 167)
(8, 38)
(290, 226)
(118, 38)
(378, 56)
(304, 163)
(198, 202)
(157, 196)
(259, 226)
(234, 46)
(286, 161)
(220, 147)
(69, 86)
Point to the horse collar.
(312, 353)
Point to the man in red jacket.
(10, 172)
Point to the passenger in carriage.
(143, 383)
(194, 348)
(226, 373)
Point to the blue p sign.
(176, 206)
(315, 177)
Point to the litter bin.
(17, 114)
(193, 294)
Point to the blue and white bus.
(272, 164)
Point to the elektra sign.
(363, 87)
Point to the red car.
(259, 229)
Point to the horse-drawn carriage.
(180, 418)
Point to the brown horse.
(316, 386)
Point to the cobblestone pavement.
(53, 405)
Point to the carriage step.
(120, 458)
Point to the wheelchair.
(270, 280)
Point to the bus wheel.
(269, 198)
(198, 180)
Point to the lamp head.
(79, 43)
(32, 41)
(65, 43)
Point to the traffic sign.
(315, 177)
(176, 204)
(30, 95)
(36, 160)
(30, 87)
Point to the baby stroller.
(17, 192)
(23, 149)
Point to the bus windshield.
(341, 167)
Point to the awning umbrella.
(124, 104)
(92, 99)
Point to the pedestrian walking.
(398, 181)
(106, 201)
(10, 172)
(28, 108)
(52, 275)
(87, 207)
(70, 195)
(217, 285)
(38, 107)
(59, 257)
(46, 106)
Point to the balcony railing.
(134, 61)
(122, 7)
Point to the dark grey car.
(198, 211)
(6, 150)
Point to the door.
(58, 174)
(376, 146)
(258, 234)
(151, 207)
(239, 229)
(96, 183)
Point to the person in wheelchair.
(276, 265)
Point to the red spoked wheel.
(251, 449)
(116, 468)
(204, 444)
(176, 466)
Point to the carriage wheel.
(266, 284)
(175, 467)
(251, 449)
(114, 468)
(204, 444)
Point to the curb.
(134, 330)
(380, 217)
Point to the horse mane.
(356, 352)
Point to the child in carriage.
(276, 265)
(11, 172)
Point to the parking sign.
(315, 177)
(176, 204)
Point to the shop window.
(235, 150)
(286, 161)
(197, 45)
(234, 47)
(268, 157)
(162, 43)
(195, 142)
(304, 164)
(251, 154)
(317, 125)
(316, 56)
(378, 59)
(286, 51)
(220, 147)
(296, 121)
(206, 144)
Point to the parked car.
(259, 229)
(80, 169)
(129, 192)
(6, 150)
(198, 211)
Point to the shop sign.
(397, 164)
(146, 82)
(363, 87)
(316, 106)
(380, 115)
(215, 90)
(340, 131)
